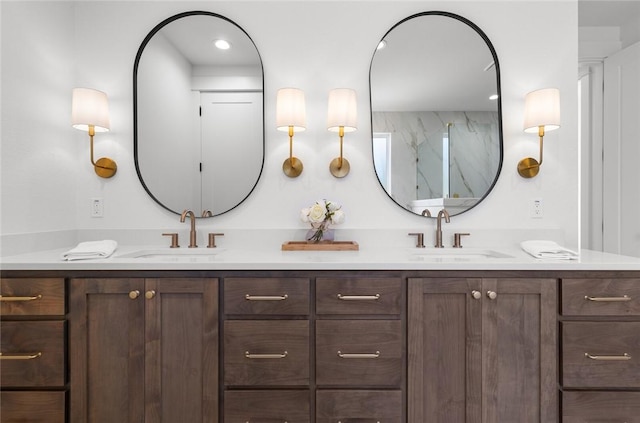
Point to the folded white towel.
(548, 250)
(91, 250)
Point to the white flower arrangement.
(320, 215)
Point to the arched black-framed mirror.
(436, 113)
(198, 114)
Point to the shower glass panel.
(453, 159)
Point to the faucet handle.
(174, 239)
(212, 239)
(419, 240)
(456, 239)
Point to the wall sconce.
(541, 113)
(290, 117)
(90, 112)
(342, 116)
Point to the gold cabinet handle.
(359, 355)
(20, 356)
(608, 299)
(20, 299)
(249, 297)
(134, 294)
(492, 295)
(150, 294)
(373, 420)
(623, 357)
(476, 295)
(247, 354)
(359, 297)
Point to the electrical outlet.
(97, 207)
(537, 210)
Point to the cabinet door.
(519, 341)
(445, 351)
(181, 351)
(106, 350)
(482, 350)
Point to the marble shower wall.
(417, 150)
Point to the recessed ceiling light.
(493, 97)
(222, 44)
(382, 44)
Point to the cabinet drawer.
(613, 358)
(359, 352)
(601, 297)
(32, 407)
(358, 406)
(285, 296)
(598, 407)
(274, 352)
(32, 354)
(266, 406)
(36, 297)
(358, 296)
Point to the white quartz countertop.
(366, 258)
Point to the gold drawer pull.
(20, 299)
(359, 297)
(359, 355)
(19, 356)
(373, 420)
(266, 297)
(247, 354)
(282, 422)
(623, 357)
(608, 299)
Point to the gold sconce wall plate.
(339, 167)
(292, 167)
(105, 167)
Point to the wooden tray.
(320, 246)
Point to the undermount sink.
(459, 254)
(174, 254)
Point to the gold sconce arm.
(339, 167)
(292, 167)
(104, 167)
(529, 167)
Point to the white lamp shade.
(342, 110)
(290, 110)
(90, 107)
(542, 108)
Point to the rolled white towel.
(91, 250)
(548, 250)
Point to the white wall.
(315, 46)
(39, 150)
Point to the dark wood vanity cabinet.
(321, 347)
(33, 370)
(360, 351)
(600, 334)
(143, 350)
(482, 350)
(316, 349)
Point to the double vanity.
(375, 335)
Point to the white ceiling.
(194, 35)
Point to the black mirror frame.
(499, 100)
(135, 101)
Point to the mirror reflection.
(436, 114)
(198, 114)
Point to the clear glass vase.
(320, 232)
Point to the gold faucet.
(441, 213)
(192, 233)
